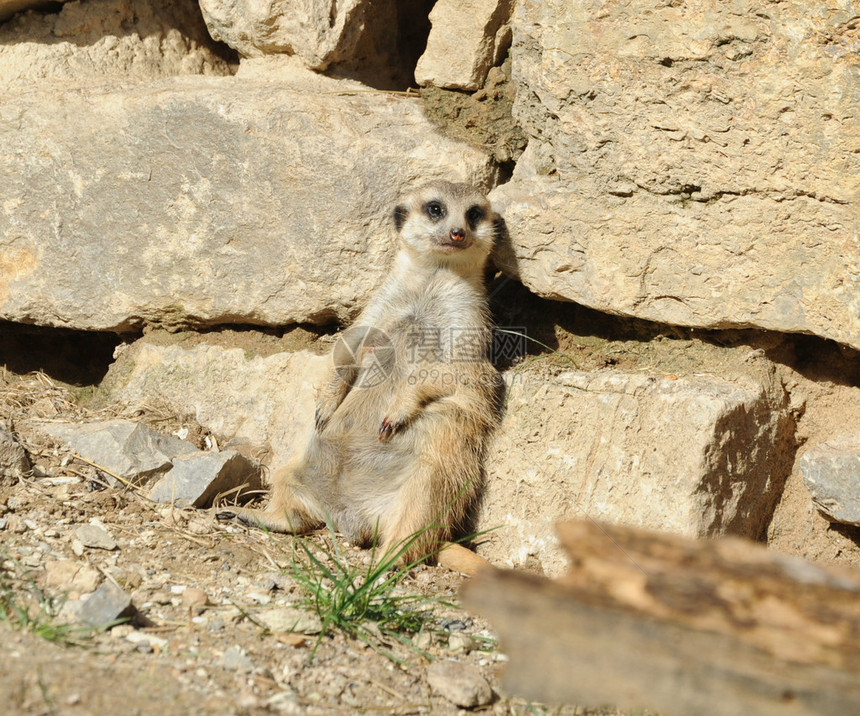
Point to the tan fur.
(389, 459)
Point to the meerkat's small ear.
(500, 229)
(399, 216)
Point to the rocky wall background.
(679, 180)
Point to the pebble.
(32, 560)
(285, 702)
(72, 576)
(236, 659)
(260, 598)
(460, 643)
(94, 536)
(15, 502)
(462, 684)
(423, 640)
(199, 527)
(270, 581)
(194, 598)
(289, 619)
(15, 525)
(140, 638)
(121, 631)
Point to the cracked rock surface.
(688, 165)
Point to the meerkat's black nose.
(458, 234)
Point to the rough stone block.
(118, 39)
(467, 39)
(370, 39)
(126, 448)
(831, 473)
(265, 402)
(237, 200)
(689, 163)
(197, 479)
(107, 605)
(694, 456)
(10, 7)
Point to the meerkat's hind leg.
(420, 523)
(268, 519)
(291, 507)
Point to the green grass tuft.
(364, 602)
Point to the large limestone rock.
(265, 404)
(100, 39)
(694, 164)
(467, 39)
(695, 456)
(196, 200)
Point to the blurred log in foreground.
(646, 620)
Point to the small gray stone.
(197, 479)
(95, 536)
(106, 605)
(831, 473)
(462, 684)
(423, 640)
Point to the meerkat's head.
(452, 224)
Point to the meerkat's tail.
(459, 559)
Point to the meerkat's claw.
(320, 420)
(225, 514)
(272, 521)
(387, 429)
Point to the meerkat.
(404, 419)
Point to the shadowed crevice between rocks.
(75, 357)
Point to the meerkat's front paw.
(325, 409)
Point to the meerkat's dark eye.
(435, 210)
(474, 215)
